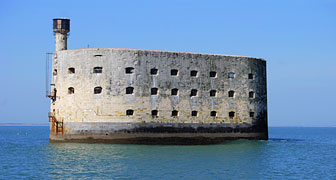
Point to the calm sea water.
(292, 153)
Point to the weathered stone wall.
(111, 105)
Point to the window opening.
(193, 92)
(194, 113)
(213, 93)
(129, 112)
(231, 93)
(174, 92)
(251, 94)
(213, 74)
(129, 90)
(231, 75)
(251, 114)
(71, 90)
(55, 72)
(193, 73)
(97, 70)
(213, 113)
(97, 90)
(231, 114)
(154, 91)
(71, 70)
(251, 76)
(155, 113)
(174, 72)
(129, 70)
(174, 113)
(154, 71)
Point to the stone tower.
(61, 29)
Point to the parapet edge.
(164, 51)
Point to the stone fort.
(154, 97)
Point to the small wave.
(284, 140)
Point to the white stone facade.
(83, 105)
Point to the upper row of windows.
(154, 71)
(174, 92)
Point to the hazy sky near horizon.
(296, 37)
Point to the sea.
(291, 153)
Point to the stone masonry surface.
(130, 86)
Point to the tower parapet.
(61, 28)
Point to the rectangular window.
(129, 112)
(71, 70)
(174, 92)
(213, 74)
(231, 75)
(97, 90)
(129, 70)
(213, 113)
(213, 93)
(231, 114)
(174, 113)
(251, 76)
(193, 92)
(193, 73)
(129, 90)
(155, 113)
(97, 70)
(154, 91)
(154, 71)
(174, 72)
(252, 114)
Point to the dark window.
(251, 94)
(231, 75)
(213, 93)
(71, 70)
(55, 72)
(231, 114)
(98, 55)
(154, 91)
(231, 93)
(129, 90)
(97, 90)
(174, 92)
(213, 113)
(251, 76)
(129, 70)
(174, 72)
(213, 74)
(174, 113)
(194, 113)
(251, 114)
(193, 92)
(71, 90)
(129, 112)
(155, 112)
(193, 73)
(154, 71)
(97, 70)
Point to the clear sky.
(296, 37)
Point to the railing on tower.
(49, 94)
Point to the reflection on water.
(291, 153)
(134, 161)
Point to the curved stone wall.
(160, 87)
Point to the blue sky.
(296, 37)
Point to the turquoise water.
(292, 153)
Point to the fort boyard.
(135, 96)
